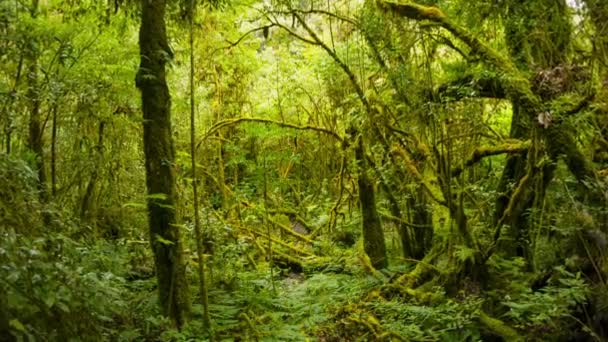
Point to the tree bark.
(373, 235)
(422, 221)
(159, 160)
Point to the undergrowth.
(59, 284)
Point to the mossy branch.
(482, 152)
(414, 11)
(294, 214)
(413, 170)
(289, 230)
(419, 12)
(333, 213)
(233, 122)
(278, 242)
(283, 227)
(517, 85)
(282, 258)
(424, 269)
(469, 86)
(518, 196)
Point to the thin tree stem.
(197, 224)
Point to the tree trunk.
(513, 172)
(373, 236)
(35, 125)
(407, 243)
(422, 221)
(159, 159)
(87, 208)
(200, 243)
(554, 37)
(598, 11)
(54, 152)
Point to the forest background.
(303, 170)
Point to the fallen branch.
(423, 271)
(282, 259)
(295, 215)
(278, 242)
(289, 230)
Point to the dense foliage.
(304, 170)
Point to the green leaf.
(49, 301)
(63, 307)
(164, 241)
(134, 205)
(15, 324)
(157, 196)
(464, 253)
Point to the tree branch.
(341, 64)
(482, 152)
(318, 11)
(413, 170)
(232, 44)
(518, 87)
(292, 33)
(233, 122)
(470, 86)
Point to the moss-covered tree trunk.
(403, 228)
(513, 172)
(373, 235)
(159, 160)
(422, 222)
(543, 45)
(598, 12)
(87, 206)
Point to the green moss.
(499, 328)
(373, 235)
(414, 11)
